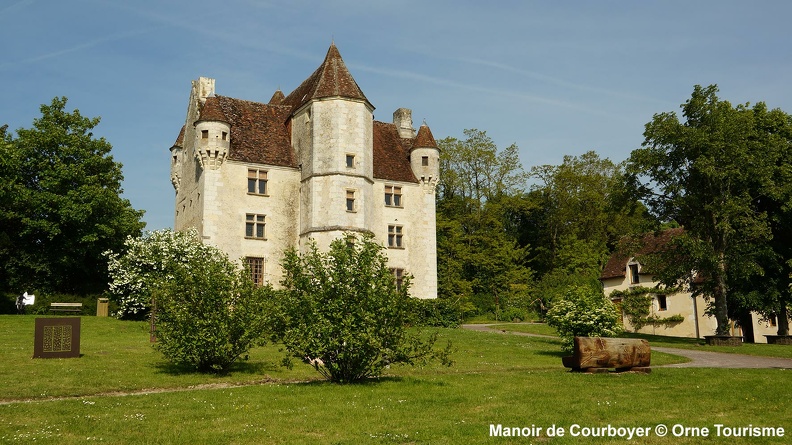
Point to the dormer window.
(634, 277)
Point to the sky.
(553, 77)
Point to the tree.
(60, 204)
(710, 173)
(479, 260)
(577, 213)
(343, 312)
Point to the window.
(398, 277)
(350, 161)
(393, 196)
(204, 134)
(425, 161)
(772, 321)
(257, 182)
(254, 226)
(256, 266)
(225, 136)
(395, 237)
(662, 304)
(350, 200)
(634, 278)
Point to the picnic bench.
(66, 307)
(600, 354)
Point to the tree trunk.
(719, 295)
(783, 319)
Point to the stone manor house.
(257, 178)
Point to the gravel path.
(699, 359)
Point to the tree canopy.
(60, 204)
(715, 174)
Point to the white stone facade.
(256, 179)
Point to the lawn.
(121, 391)
(760, 349)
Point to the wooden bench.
(600, 354)
(66, 307)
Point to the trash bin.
(101, 307)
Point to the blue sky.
(554, 77)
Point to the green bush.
(583, 312)
(440, 312)
(342, 312)
(208, 312)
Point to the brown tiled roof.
(424, 139)
(331, 79)
(650, 243)
(211, 111)
(391, 154)
(277, 97)
(180, 138)
(258, 132)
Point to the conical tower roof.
(211, 111)
(277, 98)
(331, 79)
(424, 138)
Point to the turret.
(425, 158)
(176, 160)
(212, 134)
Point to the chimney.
(403, 120)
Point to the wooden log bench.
(66, 307)
(600, 354)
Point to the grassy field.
(121, 391)
(764, 350)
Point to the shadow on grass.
(664, 339)
(239, 367)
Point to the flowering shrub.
(147, 260)
(583, 312)
(207, 310)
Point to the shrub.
(440, 312)
(342, 312)
(145, 261)
(583, 312)
(208, 312)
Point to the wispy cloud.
(75, 48)
(4, 12)
(510, 93)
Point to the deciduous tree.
(60, 204)
(710, 173)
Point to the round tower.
(212, 135)
(425, 157)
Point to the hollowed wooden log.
(600, 352)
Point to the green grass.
(758, 349)
(497, 379)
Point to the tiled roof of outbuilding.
(331, 79)
(391, 154)
(650, 243)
